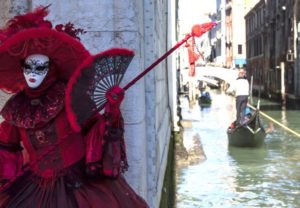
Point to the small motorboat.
(250, 134)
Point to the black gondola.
(204, 99)
(250, 134)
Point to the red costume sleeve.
(94, 142)
(105, 146)
(11, 158)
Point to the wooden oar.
(278, 123)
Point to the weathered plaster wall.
(157, 100)
(10, 8)
(7, 10)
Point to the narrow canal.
(238, 177)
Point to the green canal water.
(239, 177)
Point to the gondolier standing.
(241, 89)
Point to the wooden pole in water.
(282, 90)
(251, 88)
(278, 123)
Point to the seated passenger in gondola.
(247, 116)
(244, 120)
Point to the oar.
(278, 123)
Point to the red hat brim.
(64, 51)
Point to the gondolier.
(241, 89)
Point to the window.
(240, 49)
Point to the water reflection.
(239, 177)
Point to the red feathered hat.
(32, 34)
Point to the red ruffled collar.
(27, 112)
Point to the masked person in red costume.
(64, 167)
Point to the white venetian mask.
(35, 69)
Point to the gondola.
(250, 134)
(204, 99)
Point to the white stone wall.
(144, 27)
(7, 10)
(4, 12)
(11, 8)
(161, 92)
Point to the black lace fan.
(88, 86)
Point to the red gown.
(56, 173)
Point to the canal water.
(230, 177)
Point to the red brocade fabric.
(67, 168)
(24, 111)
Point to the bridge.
(208, 73)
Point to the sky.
(193, 12)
